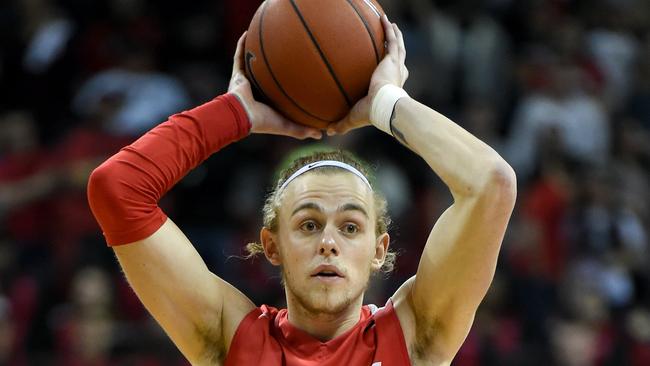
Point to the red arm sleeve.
(124, 191)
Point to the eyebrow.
(307, 206)
(353, 207)
(317, 207)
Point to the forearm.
(464, 163)
(124, 191)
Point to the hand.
(391, 70)
(263, 118)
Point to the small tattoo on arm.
(396, 132)
(400, 137)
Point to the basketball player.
(324, 226)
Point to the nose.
(328, 245)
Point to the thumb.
(340, 127)
(238, 59)
(300, 132)
(359, 116)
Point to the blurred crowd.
(561, 88)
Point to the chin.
(326, 303)
(324, 298)
(328, 300)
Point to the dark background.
(561, 88)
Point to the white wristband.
(383, 105)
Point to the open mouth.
(327, 271)
(326, 274)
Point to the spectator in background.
(17, 311)
(560, 113)
(39, 57)
(603, 224)
(546, 203)
(48, 31)
(632, 155)
(24, 178)
(84, 328)
(469, 51)
(30, 175)
(614, 48)
(143, 93)
(113, 22)
(481, 118)
(582, 333)
(637, 324)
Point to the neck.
(320, 325)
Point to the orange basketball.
(312, 59)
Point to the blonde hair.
(273, 200)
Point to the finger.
(400, 44)
(385, 23)
(343, 126)
(301, 132)
(295, 130)
(389, 33)
(357, 118)
(338, 128)
(238, 59)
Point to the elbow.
(101, 187)
(99, 179)
(501, 182)
(501, 174)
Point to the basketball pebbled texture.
(312, 59)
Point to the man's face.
(326, 240)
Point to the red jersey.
(266, 338)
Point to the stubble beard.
(323, 299)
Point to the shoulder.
(253, 331)
(236, 308)
(404, 311)
(255, 320)
(419, 333)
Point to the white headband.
(322, 163)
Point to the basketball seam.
(275, 79)
(365, 24)
(322, 55)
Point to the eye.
(309, 226)
(350, 228)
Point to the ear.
(381, 248)
(271, 249)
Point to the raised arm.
(459, 258)
(437, 306)
(199, 311)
